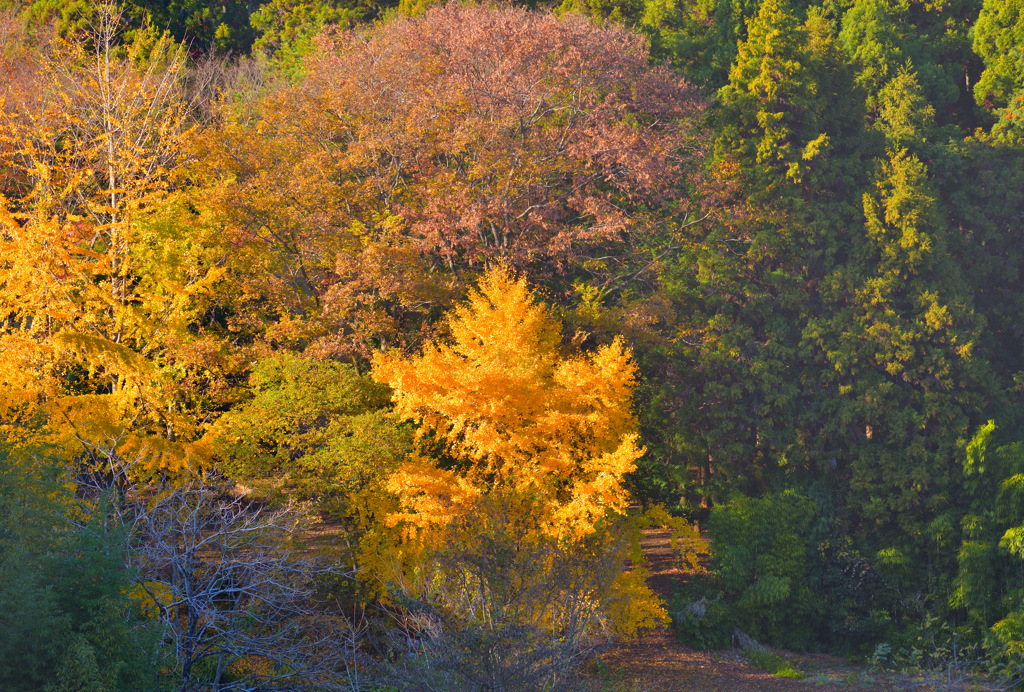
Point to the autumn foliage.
(496, 142)
(93, 299)
(417, 151)
(523, 451)
(520, 416)
(469, 284)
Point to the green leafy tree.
(873, 38)
(628, 11)
(207, 27)
(987, 592)
(711, 30)
(1010, 128)
(740, 287)
(204, 27)
(880, 36)
(312, 430)
(981, 215)
(999, 41)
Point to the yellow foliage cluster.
(90, 305)
(524, 418)
(519, 437)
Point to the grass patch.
(773, 663)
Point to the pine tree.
(904, 114)
(899, 342)
(770, 100)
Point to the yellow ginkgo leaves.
(516, 414)
(97, 303)
(519, 482)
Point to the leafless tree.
(503, 608)
(237, 602)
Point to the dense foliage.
(755, 260)
(69, 621)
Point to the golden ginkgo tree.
(512, 515)
(518, 414)
(94, 294)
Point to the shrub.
(67, 621)
(761, 557)
(774, 576)
(701, 622)
(771, 662)
(499, 604)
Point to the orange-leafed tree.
(518, 488)
(421, 150)
(517, 414)
(96, 296)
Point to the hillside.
(498, 293)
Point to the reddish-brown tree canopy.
(427, 146)
(503, 131)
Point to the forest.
(356, 344)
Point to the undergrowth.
(771, 662)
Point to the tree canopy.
(481, 288)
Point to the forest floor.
(659, 662)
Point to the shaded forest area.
(490, 291)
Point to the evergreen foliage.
(775, 243)
(67, 617)
(760, 555)
(999, 41)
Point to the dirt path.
(658, 662)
